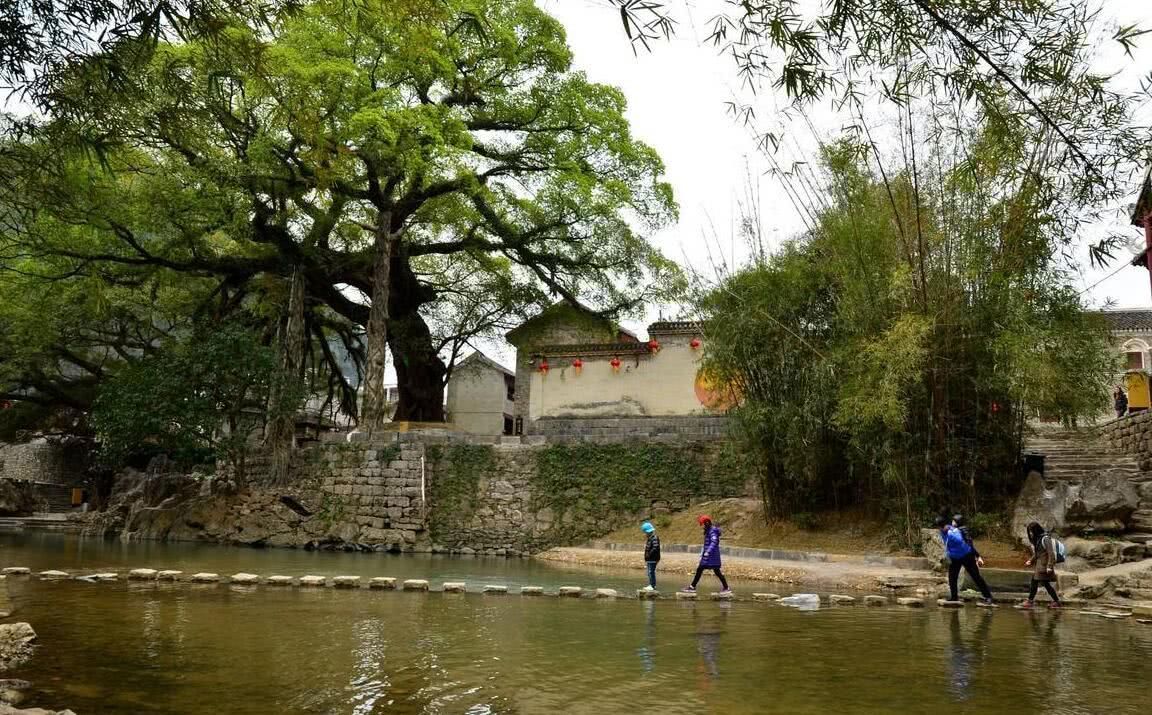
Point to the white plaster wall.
(477, 399)
(661, 385)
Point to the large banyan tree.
(346, 169)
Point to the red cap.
(703, 518)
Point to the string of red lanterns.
(653, 346)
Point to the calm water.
(164, 648)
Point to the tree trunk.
(283, 402)
(419, 370)
(374, 414)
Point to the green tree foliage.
(892, 354)
(196, 399)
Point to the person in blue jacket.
(961, 554)
(709, 555)
(651, 554)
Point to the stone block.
(346, 581)
(685, 595)
(945, 603)
(168, 575)
(647, 595)
(722, 596)
(278, 581)
(765, 597)
(52, 575)
(204, 577)
(384, 583)
(415, 584)
(531, 591)
(312, 580)
(16, 571)
(454, 587)
(246, 579)
(837, 599)
(107, 576)
(606, 593)
(142, 574)
(570, 591)
(496, 589)
(910, 602)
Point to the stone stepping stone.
(244, 578)
(386, 583)
(720, 596)
(312, 580)
(685, 595)
(1107, 614)
(531, 591)
(570, 591)
(278, 581)
(1145, 621)
(606, 593)
(495, 588)
(838, 600)
(910, 602)
(109, 576)
(52, 575)
(875, 600)
(169, 575)
(765, 597)
(415, 584)
(454, 587)
(346, 581)
(142, 574)
(204, 577)
(984, 604)
(645, 595)
(945, 603)
(16, 571)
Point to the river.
(135, 647)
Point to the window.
(510, 386)
(508, 426)
(1135, 360)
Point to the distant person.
(1120, 401)
(962, 553)
(651, 554)
(709, 556)
(1043, 562)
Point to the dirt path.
(823, 575)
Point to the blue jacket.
(710, 554)
(955, 544)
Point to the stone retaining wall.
(44, 461)
(1132, 434)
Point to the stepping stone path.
(346, 581)
(531, 591)
(765, 597)
(52, 575)
(911, 602)
(16, 571)
(205, 577)
(454, 587)
(169, 575)
(570, 591)
(415, 584)
(495, 588)
(984, 604)
(142, 574)
(606, 593)
(718, 596)
(386, 583)
(278, 581)
(1107, 614)
(685, 595)
(105, 576)
(244, 579)
(841, 600)
(645, 595)
(313, 581)
(945, 603)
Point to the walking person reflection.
(647, 651)
(964, 655)
(708, 634)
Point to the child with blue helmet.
(651, 553)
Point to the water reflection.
(709, 628)
(647, 651)
(965, 652)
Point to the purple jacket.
(710, 554)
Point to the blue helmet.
(647, 528)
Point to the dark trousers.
(1047, 587)
(968, 563)
(651, 573)
(714, 569)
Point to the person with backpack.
(651, 554)
(962, 554)
(709, 556)
(1046, 553)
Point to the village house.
(480, 396)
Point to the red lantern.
(653, 346)
(543, 366)
(577, 365)
(615, 363)
(694, 343)
(995, 407)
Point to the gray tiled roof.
(1128, 319)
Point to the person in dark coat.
(651, 554)
(1043, 563)
(962, 554)
(709, 555)
(1120, 401)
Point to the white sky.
(677, 96)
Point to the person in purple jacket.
(709, 555)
